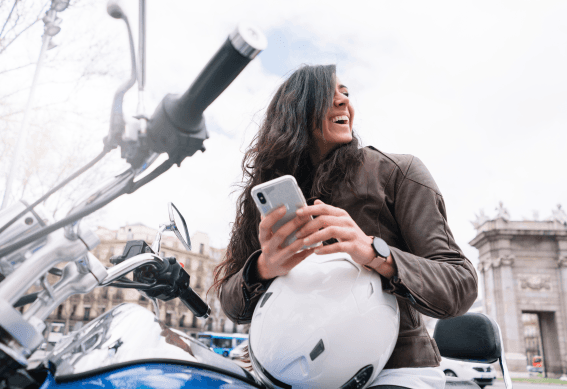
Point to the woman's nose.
(340, 99)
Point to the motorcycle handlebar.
(195, 303)
(178, 118)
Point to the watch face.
(381, 247)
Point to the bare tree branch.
(16, 36)
(17, 68)
(8, 18)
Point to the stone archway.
(523, 267)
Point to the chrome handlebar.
(79, 277)
(59, 248)
(130, 264)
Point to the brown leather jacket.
(397, 200)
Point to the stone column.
(489, 297)
(562, 314)
(514, 345)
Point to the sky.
(476, 90)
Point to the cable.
(55, 189)
(87, 210)
(27, 299)
(131, 285)
(129, 187)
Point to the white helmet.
(326, 324)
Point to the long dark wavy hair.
(284, 139)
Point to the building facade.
(199, 263)
(523, 265)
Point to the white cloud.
(476, 90)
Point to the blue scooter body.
(127, 347)
(152, 375)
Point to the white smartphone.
(275, 193)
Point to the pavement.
(525, 385)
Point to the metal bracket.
(18, 328)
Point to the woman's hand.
(333, 222)
(277, 261)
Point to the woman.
(355, 195)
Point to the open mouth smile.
(343, 119)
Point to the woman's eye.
(345, 93)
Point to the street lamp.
(52, 28)
(59, 5)
(52, 25)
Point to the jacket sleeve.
(240, 294)
(434, 276)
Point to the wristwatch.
(382, 253)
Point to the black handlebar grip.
(183, 115)
(237, 51)
(195, 303)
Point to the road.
(496, 385)
(523, 385)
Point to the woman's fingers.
(287, 229)
(276, 260)
(278, 263)
(265, 228)
(320, 208)
(320, 222)
(339, 233)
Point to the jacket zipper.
(247, 300)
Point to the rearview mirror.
(178, 226)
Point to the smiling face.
(337, 123)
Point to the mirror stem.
(156, 246)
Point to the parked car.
(481, 373)
(238, 351)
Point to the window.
(142, 298)
(102, 310)
(87, 313)
(73, 310)
(194, 322)
(201, 248)
(57, 328)
(182, 321)
(168, 318)
(206, 340)
(222, 343)
(60, 311)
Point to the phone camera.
(261, 198)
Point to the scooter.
(128, 346)
(127, 342)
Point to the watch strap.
(379, 259)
